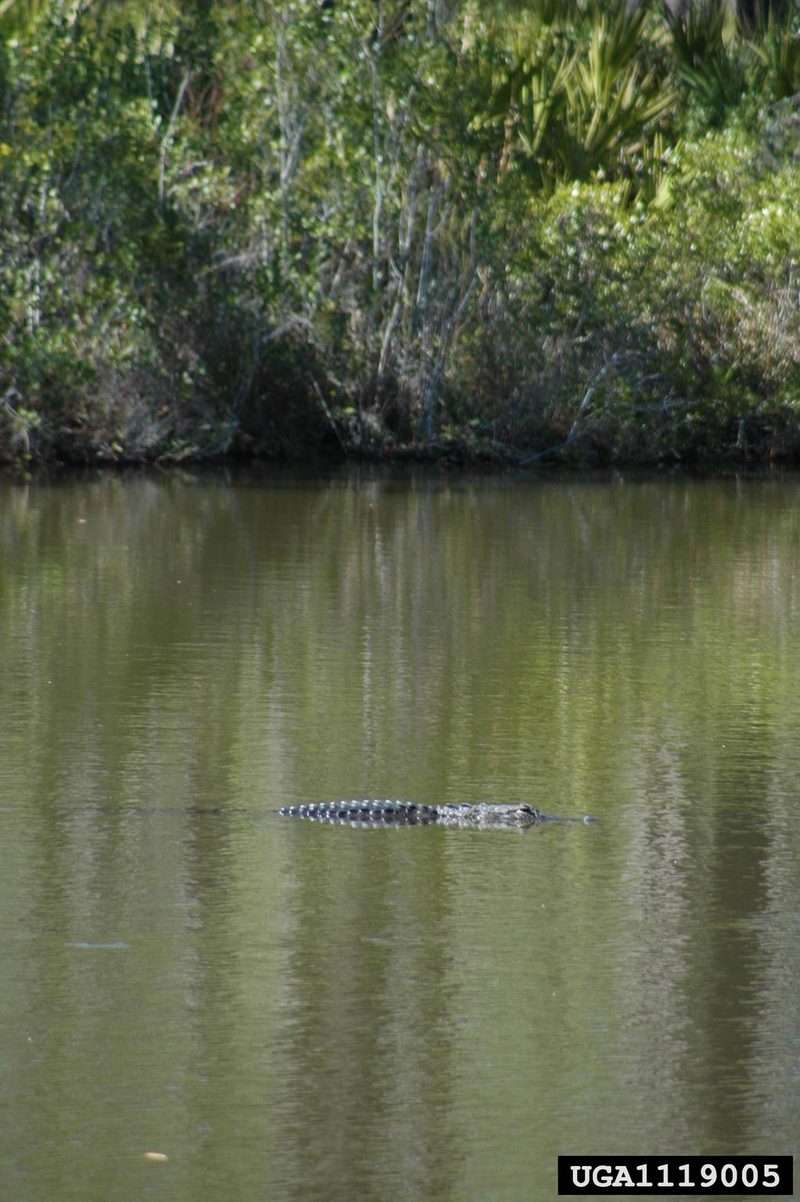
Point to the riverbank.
(566, 235)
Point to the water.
(286, 1010)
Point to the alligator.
(408, 813)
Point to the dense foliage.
(510, 230)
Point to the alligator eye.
(526, 809)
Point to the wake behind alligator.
(407, 813)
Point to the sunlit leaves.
(575, 96)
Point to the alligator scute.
(408, 813)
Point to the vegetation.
(516, 231)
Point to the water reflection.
(295, 1010)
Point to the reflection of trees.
(704, 993)
(518, 634)
(367, 1100)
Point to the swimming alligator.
(408, 813)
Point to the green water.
(288, 1010)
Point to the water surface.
(289, 1010)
